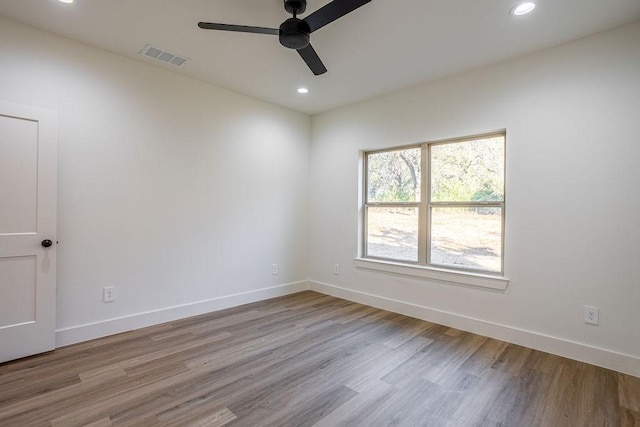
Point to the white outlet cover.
(591, 315)
(108, 293)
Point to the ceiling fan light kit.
(295, 33)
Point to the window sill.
(459, 277)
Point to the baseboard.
(104, 328)
(573, 350)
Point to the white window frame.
(368, 204)
(423, 267)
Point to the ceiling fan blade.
(312, 59)
(334, 10)
(238, 28)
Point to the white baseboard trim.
(624, 363)
(76, 334)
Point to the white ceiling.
(383, 46)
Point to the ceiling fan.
(294, 33)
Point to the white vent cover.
(163, 56)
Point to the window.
(439, 204)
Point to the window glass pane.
(467, 237)
(468, 171)
(394, 176)
(392, 233)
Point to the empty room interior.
(319, 213)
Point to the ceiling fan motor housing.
(294, 33)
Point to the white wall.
(173, 190)
(572, 116)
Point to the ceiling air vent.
(163, 56)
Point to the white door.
(28, 158)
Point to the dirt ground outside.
(460, 237)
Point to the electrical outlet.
(336, 268)
(274, 269)
(108, 293)
(591, 315)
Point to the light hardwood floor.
(310, 359)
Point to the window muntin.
(439, 204)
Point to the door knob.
(46, 243)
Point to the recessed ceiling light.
(303, 90)
(66, 1)
(523, 8)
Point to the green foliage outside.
(460, 172)
(394, 176)
(468, 171)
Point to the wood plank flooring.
(310, 360)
